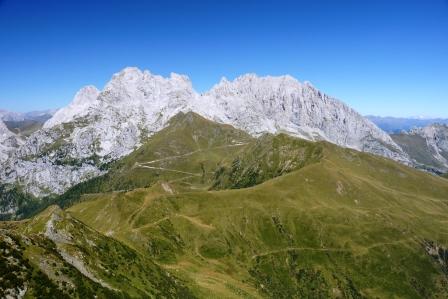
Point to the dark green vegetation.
(223, 215)
(27, 205)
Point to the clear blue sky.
(384, 57)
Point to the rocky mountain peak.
(283, 104)
(132, 79)
(85, 99)
(86, 95)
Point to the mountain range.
(395, 125)
(99, 127)
(39, 115)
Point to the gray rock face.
(102, 126)
(96, 128)
(427, 146)
(283, 104)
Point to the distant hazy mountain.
(41, 115)
(397, 124)
(24, 124)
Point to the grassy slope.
(351, 225)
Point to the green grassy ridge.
(351, 225)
